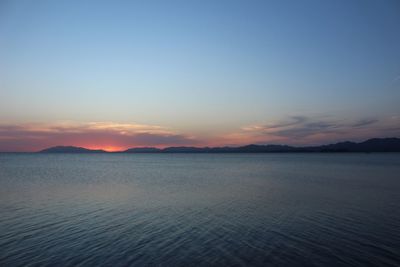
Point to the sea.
(278, 209)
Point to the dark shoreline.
(376, 145)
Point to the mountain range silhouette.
(370, 145)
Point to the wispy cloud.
(312, 130)
(292, 121)
(295, 130)
(106, 135)
(364, 122)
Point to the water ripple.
(234, 210)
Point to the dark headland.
(371, 145)
(71, 149)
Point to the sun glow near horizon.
(113, 136)
(197, 73)
(107, 148)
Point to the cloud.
(293, 120)
(105, 135)
(294, 130)
(309, 130)
(292, 125)
(364, 122)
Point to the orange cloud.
(302, 130)
(111, 136)
(100, 135)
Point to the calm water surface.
(200, 210)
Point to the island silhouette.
(370, 145)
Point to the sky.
(121, 74)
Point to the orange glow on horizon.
(107, 148)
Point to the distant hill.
(70, 149)
(242, 149)
(371, 145)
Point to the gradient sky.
(119, 74)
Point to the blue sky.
(205, 70)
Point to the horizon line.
(157, 150)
